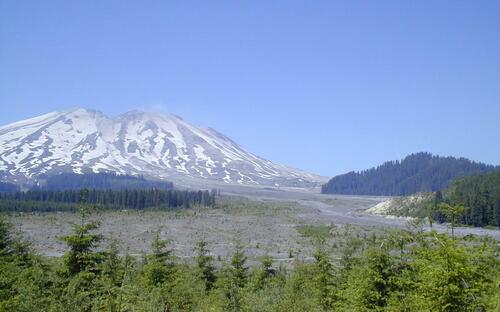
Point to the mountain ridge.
(418, 172)
(154, 145)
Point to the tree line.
(420, 172)
(402, 271)
(69, 200)
(477, 199)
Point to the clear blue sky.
(326, 86)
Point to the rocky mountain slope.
(138, 143)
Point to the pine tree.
(452, 212)
(239, 270)
(265, 272)
(204, 263)
(81, 255)
(160, 266)
(324, 279)
(5, 236)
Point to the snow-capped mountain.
(138, 143)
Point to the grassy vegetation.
(244, 206)
(316, 232)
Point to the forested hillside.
(420, 172)
(70, 200)
(473, 200)
(102, 180)
(479, 198)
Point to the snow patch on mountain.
(137, 143)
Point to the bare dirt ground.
(265, 221)
(345, 209)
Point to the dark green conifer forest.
(479, 197)
(69, 200)
(420, 172)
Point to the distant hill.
(420, 172)
(103, 180)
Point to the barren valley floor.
(283, 224)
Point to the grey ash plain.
(264, 220)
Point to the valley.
(249, 156)
(145, 212)
(266, 221)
